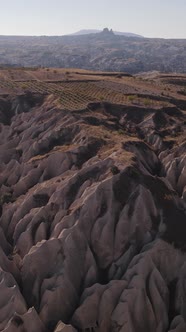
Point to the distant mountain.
(119, 33)
(84, 32)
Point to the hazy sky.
(151, 18)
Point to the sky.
(150, 18)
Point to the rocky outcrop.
(93, 218)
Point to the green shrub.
(114, 169)
(120, 132)
(147, 102)
(131, 98)
(6, 198)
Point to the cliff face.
(93, 217)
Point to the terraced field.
(74, 90)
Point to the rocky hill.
(89, 31)
(97, 51)
(93, 207)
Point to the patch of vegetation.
(6, 198)
(114, 169)
(131, 98)
(147, 102)
(120, 132)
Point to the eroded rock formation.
(93, 217)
